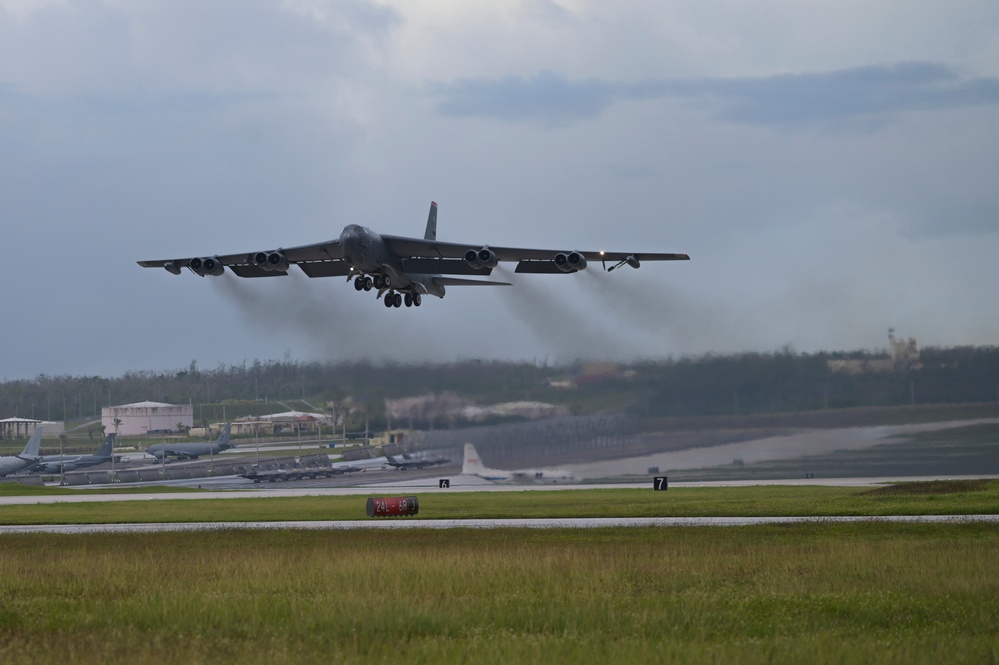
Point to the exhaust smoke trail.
(566, 331)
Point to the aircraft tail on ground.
(33, 446)
(107, 447)
(223, 440)
(471, 465)
(431, 232)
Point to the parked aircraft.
(57, 463)
(473, 466)
(192, 450)
(402, 269)
(28, 457)
(406, 461)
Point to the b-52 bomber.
(403, 270)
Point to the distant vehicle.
(406, 461)
(472, 466)
(192, 450)
(28, 458)
(60, 463)
(402, 269)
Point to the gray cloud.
(838, 97)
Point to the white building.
(145, 417)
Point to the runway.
(232, 487)
(550, 523)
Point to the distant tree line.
(747, 383)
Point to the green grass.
(963, 498)
(817, 593)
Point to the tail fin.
(34, 444)
(431, 232)
(472, 465)
(107, 447)
(223, 441)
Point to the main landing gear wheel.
(408, 299)
(359, 284)
(397, 300)
(368, 283)
(388, 300)
(387, 281)
(417, 299)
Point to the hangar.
(147, 418)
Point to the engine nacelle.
(562, 262)
(276, 261)
(207, 266)
(484, 258)
(576, 260)
(487, 258)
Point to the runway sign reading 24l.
(660, 484)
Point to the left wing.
(463, 259)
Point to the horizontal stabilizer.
(458, 281)
(325, 268)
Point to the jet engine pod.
(472, 258)
(211, 266)
(562, 262)
(277, 261)
(206, 266)
(270, 261)
(576, 260)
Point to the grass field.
(817, 593)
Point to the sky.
(830, 167)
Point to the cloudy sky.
(832, 168)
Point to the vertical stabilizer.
(223, 440)
(107, 447)
(34, 444)
(472, 465)
(431, 232)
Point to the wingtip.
(433, 204)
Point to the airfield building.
(147, 418)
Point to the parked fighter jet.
(28, 457)
(58, 463)
(403, 270)
(473, 466)
(192, 450)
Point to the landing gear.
(359, 283)
(368, 283)
(417, 299)
(408, 299)
(394, 299)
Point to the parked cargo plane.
(28, 457)
(403, 270)
(57, 463)
(473, 466)
(405, 461)
(192, 450)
